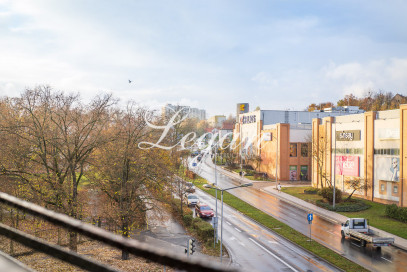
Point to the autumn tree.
(130, 176)
(50, 137)
(356, 184)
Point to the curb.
(315, 209)
(284, 238)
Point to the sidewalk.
(165, 232)
(329, 215)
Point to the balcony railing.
(155, 254)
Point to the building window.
(304, 150)
(382, 187)
(293, 150)
(395, 189)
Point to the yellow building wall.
(369, 153)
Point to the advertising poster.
(387, 168)
(304, 172)
(293, 172)
(347, 166)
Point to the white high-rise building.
(169, 109)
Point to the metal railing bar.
(53, 250)
(137, 248)
(19, 265)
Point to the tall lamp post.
(215, 233)
(333, 201)
(221, 224)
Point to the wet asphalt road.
(323, 230)
(254, 248)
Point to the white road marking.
(273, 242)
(355, 244)
(386, 259)
(275, 256)
(232, 238)
(238, 230)
(331, 232)
(243, 245)
(228, 223)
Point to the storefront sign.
(267, 136)
(348, 135)
(347, 166)
(248, 119)
(389, 134)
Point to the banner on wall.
(293, 172)
(387, 168)
(347, 166)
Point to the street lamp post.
(221, 225)
(215, 233)
(333, 201)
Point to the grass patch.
(376, 214)
(283, 229)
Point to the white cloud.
(356, 78)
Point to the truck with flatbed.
(358, 229)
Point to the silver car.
(192, 200)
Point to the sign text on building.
(248, 119)
(347, 166)
(348, 135)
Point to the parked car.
(190, 187)
(203, 210)
(192, 200)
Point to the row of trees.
(52, 143)
(370, 101)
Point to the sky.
(212, 54)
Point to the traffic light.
(191, 246)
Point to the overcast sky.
(208, 54)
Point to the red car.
(203, 210)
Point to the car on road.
(203, 210)
(190, 187)
(192, 200)
(358, 229)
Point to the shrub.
(328, 194)
(203, 228)
(311, 191)
(350, 206)
(398, 213)
(187, 219)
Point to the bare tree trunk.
(125, 234)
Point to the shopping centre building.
(282, 140)
(370, 147)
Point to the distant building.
(216, 121)
(226, 128)
(168, 110)
(370, 147)
(281, 139)
(344, 109)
